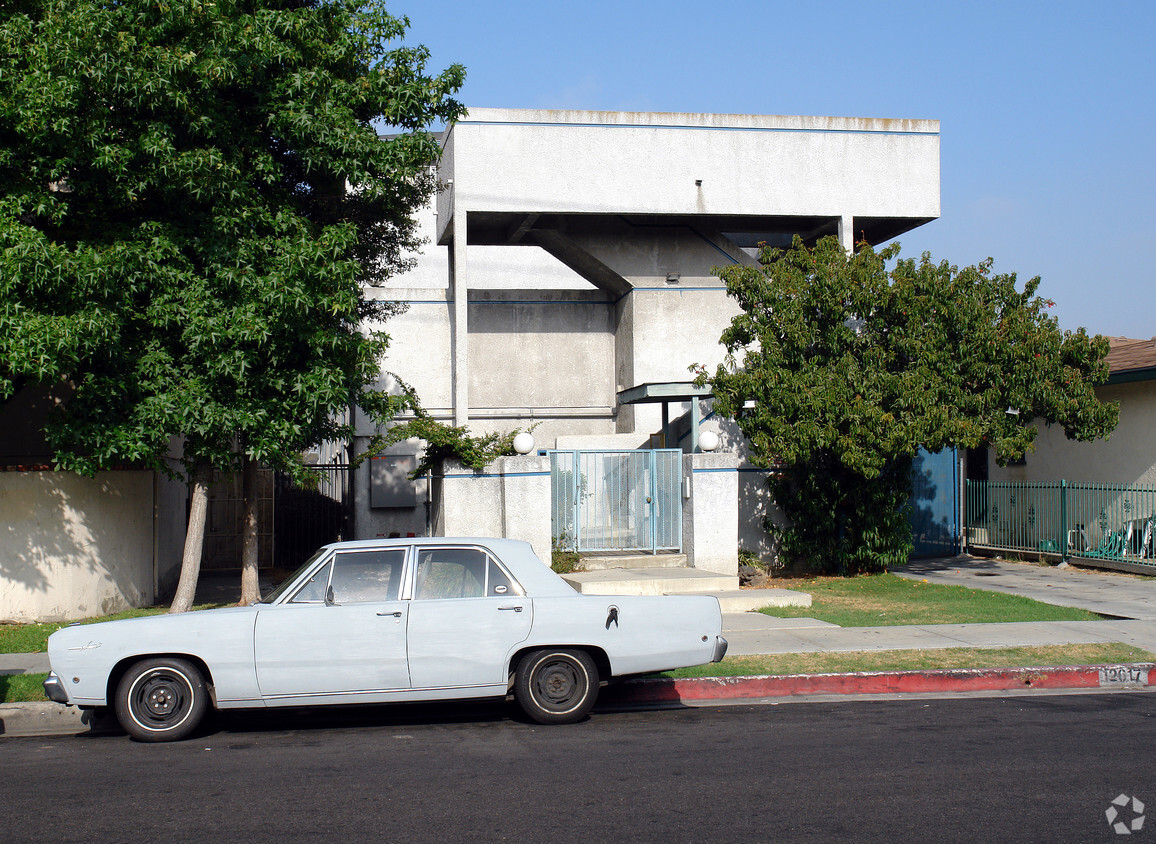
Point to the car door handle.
(395, 614)
(515, 609)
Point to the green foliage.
(178, 243)
(839, 371)
(564, 558)
(447, 441)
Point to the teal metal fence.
(1107, 522)
(617, 500)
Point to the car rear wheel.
(556, 685)
(161, 699)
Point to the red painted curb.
(662, 690)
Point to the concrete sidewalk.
(1107, 593)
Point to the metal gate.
(292, 521)
(934, 504)
(617, 500)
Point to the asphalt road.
(989, 769)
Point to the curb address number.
(1123, 675)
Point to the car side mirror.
(329, 596)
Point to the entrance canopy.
(664, 393)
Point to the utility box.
(389, 482)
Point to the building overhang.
(664, 393)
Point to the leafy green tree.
(192, 197)
(838, 370)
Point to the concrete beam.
(578, 259)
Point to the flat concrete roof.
(516, 172)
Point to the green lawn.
(885, 599)
(33, 638)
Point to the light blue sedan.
(382, 621)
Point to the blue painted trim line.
(673, 288)
(739, 470)
(498, 475)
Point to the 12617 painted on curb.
(1123, 675)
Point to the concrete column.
(459, 317)
(710, 519)
(847, 232)
(510, 498)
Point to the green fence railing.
(1099, 521)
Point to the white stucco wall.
(73, 547)
(1128, 456)
(636, 162)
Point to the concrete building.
(571, 264)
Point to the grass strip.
(22, 688)
(33, 638)
(918, 660)
(885, 600)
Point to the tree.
(192, 196)
(839, 370)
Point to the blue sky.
(1048, 132)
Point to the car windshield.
(287, 582)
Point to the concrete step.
(649, 581)
(748, 600)
(601, 562)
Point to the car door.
(342, 632)
(467, 615)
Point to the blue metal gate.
(617, 500)
(934, 512)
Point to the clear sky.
(1048, 134)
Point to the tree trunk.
(194, 539)
(250, 592)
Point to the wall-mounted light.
(524, 442)
(698, 183)
(672, 278)
(708, 441)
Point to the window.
(450, 573)
(314, 588)
(459, 573)
(361, 577)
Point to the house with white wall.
(1128, 455)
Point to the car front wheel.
(161, 699)
(556, 685)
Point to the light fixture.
(524, 442)
(708, 441)
(672, 278)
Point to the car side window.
(361, 577)
(450, 573)
(499, 583)
(314, 589)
